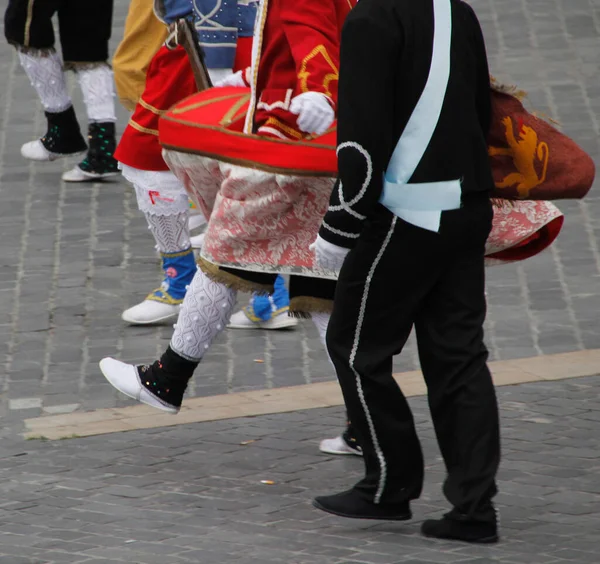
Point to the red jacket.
(297, 45)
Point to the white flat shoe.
(35, 151)
(125, 378)
(338, 446)
(240, 320)
(151, 312)
(78, 175)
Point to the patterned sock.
(163, 200)
(171, 232)
(47, 77)
(205, 312)
(97, 87)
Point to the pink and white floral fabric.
(265, 222)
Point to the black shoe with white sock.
(160, 384)
(62, 139)
(99, 162)
(480, 528)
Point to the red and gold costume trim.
(169, 80)
(295, 50)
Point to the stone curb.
(295, 398)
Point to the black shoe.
(457, 526)
(352, 504)
(62, 139)
(160, 384)
(99, 162)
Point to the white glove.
(327, 255)
(234, 79)
(315, 114)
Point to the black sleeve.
(483, 94)
(368, 60)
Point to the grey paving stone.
(176, 493)
(82, 253)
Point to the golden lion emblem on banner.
(527, 153)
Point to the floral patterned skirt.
(264, 221)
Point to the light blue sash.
(422, 204)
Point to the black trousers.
(398, 277)
(84, 26)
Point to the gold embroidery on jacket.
(278, 124)
(304, 73)
(143, 129)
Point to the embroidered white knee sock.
(48, 78)
(205, 312)
(97, 86)
(163, 200)
(171, 232)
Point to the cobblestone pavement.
(74, 256)
(195, 493)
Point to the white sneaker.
(125, 378)
(338, 446)
(78, 175)
(151, 312)
(35, 151)
(240, 320)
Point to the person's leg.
(28, 26)
(85, 30)
(266, 311)
(380, 287)
(346, 442)
(461, 393)
(161, 196)
(97, 88)
(204, 314)
(163, 200)
(143, 36)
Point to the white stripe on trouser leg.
(361, 395)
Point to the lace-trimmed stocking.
(47, 77)
(205, 312)
(97, 86)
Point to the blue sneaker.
(266, 312)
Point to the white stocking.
(171, 232)
(205, 312)
(164, 202)
(97, 87)
(47, 77)
(321, 321)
